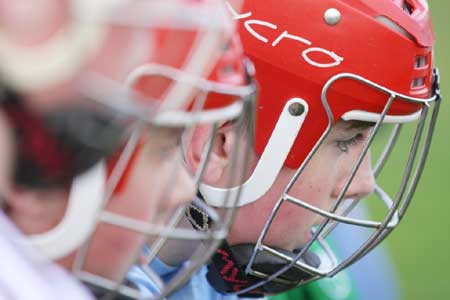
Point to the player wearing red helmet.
(334, 77)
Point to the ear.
(219, 159)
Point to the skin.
(147, 192)
(142, 197)
(6, 156)
(319, 184)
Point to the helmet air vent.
(392, 25)
(408, 8)
(418, 82)
(420, 62)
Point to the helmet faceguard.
(198, 245)
(394, 207)
(311, 76)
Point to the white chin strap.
(269, 165)
(84, 204)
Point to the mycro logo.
(250, 24)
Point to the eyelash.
(344, 145)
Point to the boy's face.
(158, 167)
(35, 25)
(146, 196)
(157, 183)
(155, 186)
(320, 184)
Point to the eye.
(344, 145)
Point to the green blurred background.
(421, 245)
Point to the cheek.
(250, 219)
(315, 192)
(247, 225)
(289, 227)
(137, 196)
(316, 184)
(292, 223)
(112, 251)
(171, 184)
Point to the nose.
(363, 183)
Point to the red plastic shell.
(296, 52)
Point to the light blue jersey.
(197, 288)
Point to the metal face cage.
(160, 234)
(340, 212)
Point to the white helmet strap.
(269, 165)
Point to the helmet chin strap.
(269, 165)
(227, 269)
(104, 293)
(226, 272)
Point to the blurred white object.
(24, 275)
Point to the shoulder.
(199, 288)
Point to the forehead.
(350, 126)
(353, 124)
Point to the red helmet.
(318, 62)
(300, 54)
